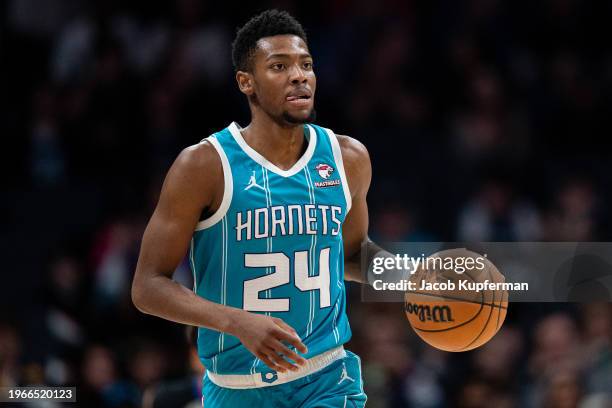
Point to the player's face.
(284, 81)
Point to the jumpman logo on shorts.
(253, 183)
(344, 376)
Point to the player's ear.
(245, 82)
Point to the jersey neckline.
(234, 129)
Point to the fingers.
(280, 348)
(289, 335)
(269, 362)
(281, 323)
(276, 362)
(280, 361)
(292, 339)
(272, 351)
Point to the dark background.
(485, 120)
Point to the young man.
(269, 214)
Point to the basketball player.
(270, 215)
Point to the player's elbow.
(139, 298)
(353, 275)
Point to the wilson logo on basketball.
(428, 313)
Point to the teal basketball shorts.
(338, 384)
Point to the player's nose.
(297, 75)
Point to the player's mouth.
(299, 98)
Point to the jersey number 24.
(280, 262)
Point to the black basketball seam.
(488, 318)
(486, 323)
(498, 316)
(458, 299)
(498, 326)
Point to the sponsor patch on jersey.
(327, 183)
(325, 171)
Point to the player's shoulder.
(197, 167)
(197, 174)
(201, 157)
(356, 160)
(353, 151)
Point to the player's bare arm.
(358, 170)
(355, 229)
(192, 188)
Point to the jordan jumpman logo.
(253, 183)
(344, 376)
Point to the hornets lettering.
(293, 219)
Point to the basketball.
(455, 308)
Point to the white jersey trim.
(258, 380)
(338, 159)
(234, 129)
(228, 188)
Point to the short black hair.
(265, 24)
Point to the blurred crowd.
(485, 121)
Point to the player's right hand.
(264, 336)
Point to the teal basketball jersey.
(274, 246)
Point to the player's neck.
(282, 146)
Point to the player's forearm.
(162, 297)
(358, 268)
(352, 269)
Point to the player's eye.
(278, 67)
(307, 65)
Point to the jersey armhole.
(335, 145)
(228, 188)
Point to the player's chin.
(298, 117)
